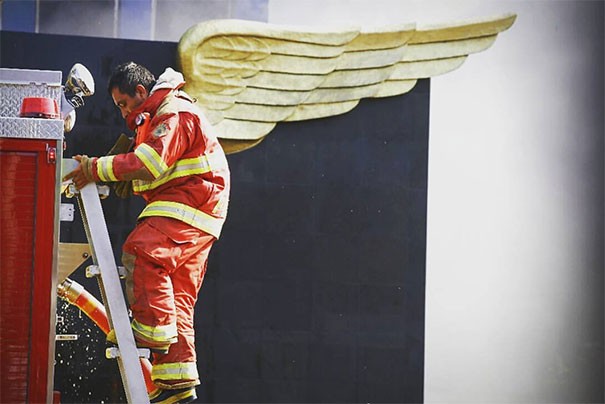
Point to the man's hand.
(82, 175)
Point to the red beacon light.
(39, 107)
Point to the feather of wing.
(314, 111)
(426, 68)
(259, 113)
(429, 51)
(354, 78)
(463, 29)
(391, 88)
(285, 81)
(370, 58)
(243, 130)
(231, 146)
(386, 38)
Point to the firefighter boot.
(173, 396)
(155, 347)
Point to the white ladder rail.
(113, 296)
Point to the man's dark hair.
(126, 77)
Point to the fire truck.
(36, 110)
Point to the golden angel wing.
(247, 76)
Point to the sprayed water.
(82, 373)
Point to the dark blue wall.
(315, 292)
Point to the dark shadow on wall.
(315, 291)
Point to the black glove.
(122, 145)
(123, 189)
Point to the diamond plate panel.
(31, 128)
(11, 96)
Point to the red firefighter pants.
(166, 260)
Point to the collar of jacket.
(150, 105)
(168, 81)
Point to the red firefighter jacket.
(178, 147)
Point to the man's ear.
(141, 91)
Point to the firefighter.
(179, 168)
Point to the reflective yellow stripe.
(105, 169)
(182, 168)
(160, 333)
(221, 206)
(151, 159)
(174, 371)
(187, 214)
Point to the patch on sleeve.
(160, 130)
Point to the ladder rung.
(113, 352)
(94, 270)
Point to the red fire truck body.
(30, 160)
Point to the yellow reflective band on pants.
(196, 218)
(159, 333)
(182, 168)
(174, 371)
(105, 169)
(151, 159)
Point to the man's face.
(127, 103)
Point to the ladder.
(106, 272)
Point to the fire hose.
(75, 294)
